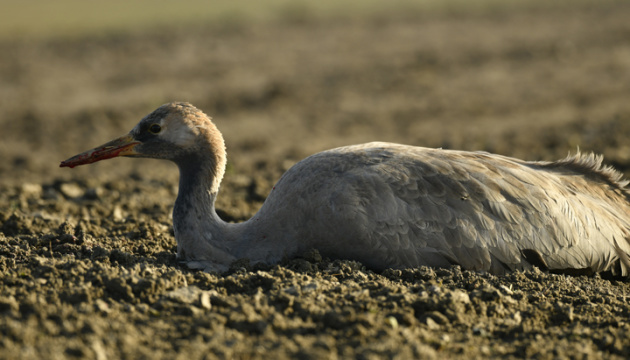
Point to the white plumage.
(390, 205)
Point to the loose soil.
(87, 256)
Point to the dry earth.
(87, 256)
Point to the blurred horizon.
(75, 18)
(284, 79)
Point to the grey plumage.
(390, 205)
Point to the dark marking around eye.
(155, 129)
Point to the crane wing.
(419, 206)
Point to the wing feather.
(410, 206)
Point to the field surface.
(87, 256)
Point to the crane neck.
(198, 188)
(202, 236)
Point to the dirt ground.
(87, 256)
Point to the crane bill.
(122, 146)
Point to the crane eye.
(155, 129)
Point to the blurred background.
(284, 79)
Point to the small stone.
(185, 295)
(434, 289)
(143, 308)
(99, 350)
(31, 190)
(506, 290)
(71, 190)
(204, 301)
(431, 324)
(117, 213)
(191, 295)
(517, 318)
(460, 296)
(102, 306)
(392, 321)
(438, 317)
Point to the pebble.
(191, 295)
(31, 190)
(204, 300)
(102, 306)
(460, 296)
(392, 322)
(185, 295)
(506, 290)
(71, 190)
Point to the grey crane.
(391, 206)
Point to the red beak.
(123, 146)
